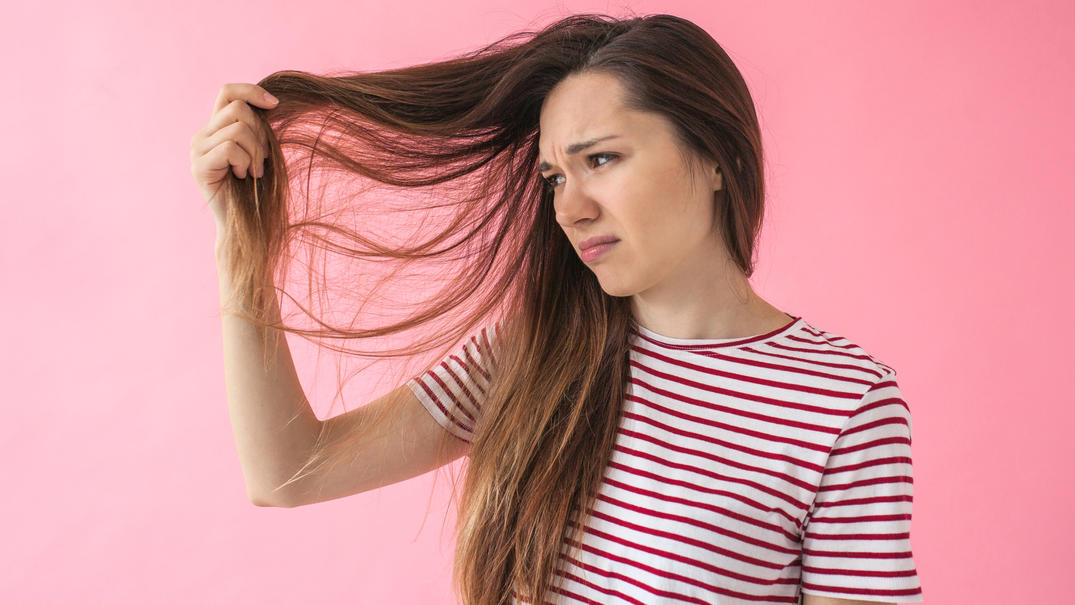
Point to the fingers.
(242, 91)
(244, 150)
(234, 102)
(233, 118)
(235, 140)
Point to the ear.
(718, 178)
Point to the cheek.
(658, 216)
(671, 225)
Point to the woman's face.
(632, 184)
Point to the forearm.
(271, 418)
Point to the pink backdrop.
(920, 204)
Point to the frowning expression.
(623, 173)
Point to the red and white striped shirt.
(746, 470)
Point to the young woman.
(639, 425)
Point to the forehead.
(579, 108)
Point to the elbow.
(259, 499)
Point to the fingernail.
(271, 99)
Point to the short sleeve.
(454, 389)
(857, 535)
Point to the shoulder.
(847, 355)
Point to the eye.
(552, 184)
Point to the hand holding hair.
(233, 141)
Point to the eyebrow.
(577, 147)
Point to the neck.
(717, 303)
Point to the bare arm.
(404, 445)
(271, 418)
(271, 448)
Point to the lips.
(597, 241)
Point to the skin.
(670, 258)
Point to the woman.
(619, 363)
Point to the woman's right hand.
(233, 141)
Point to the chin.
(616, 287)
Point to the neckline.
(661, 340)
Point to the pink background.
(921, 191)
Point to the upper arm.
(856, 537)
(401, 446)
(435, 408)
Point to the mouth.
(591, 253)
(596, 241)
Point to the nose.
(573, 205)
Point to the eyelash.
(551, 186)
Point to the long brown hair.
(468, 126)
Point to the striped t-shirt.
(746, 470)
